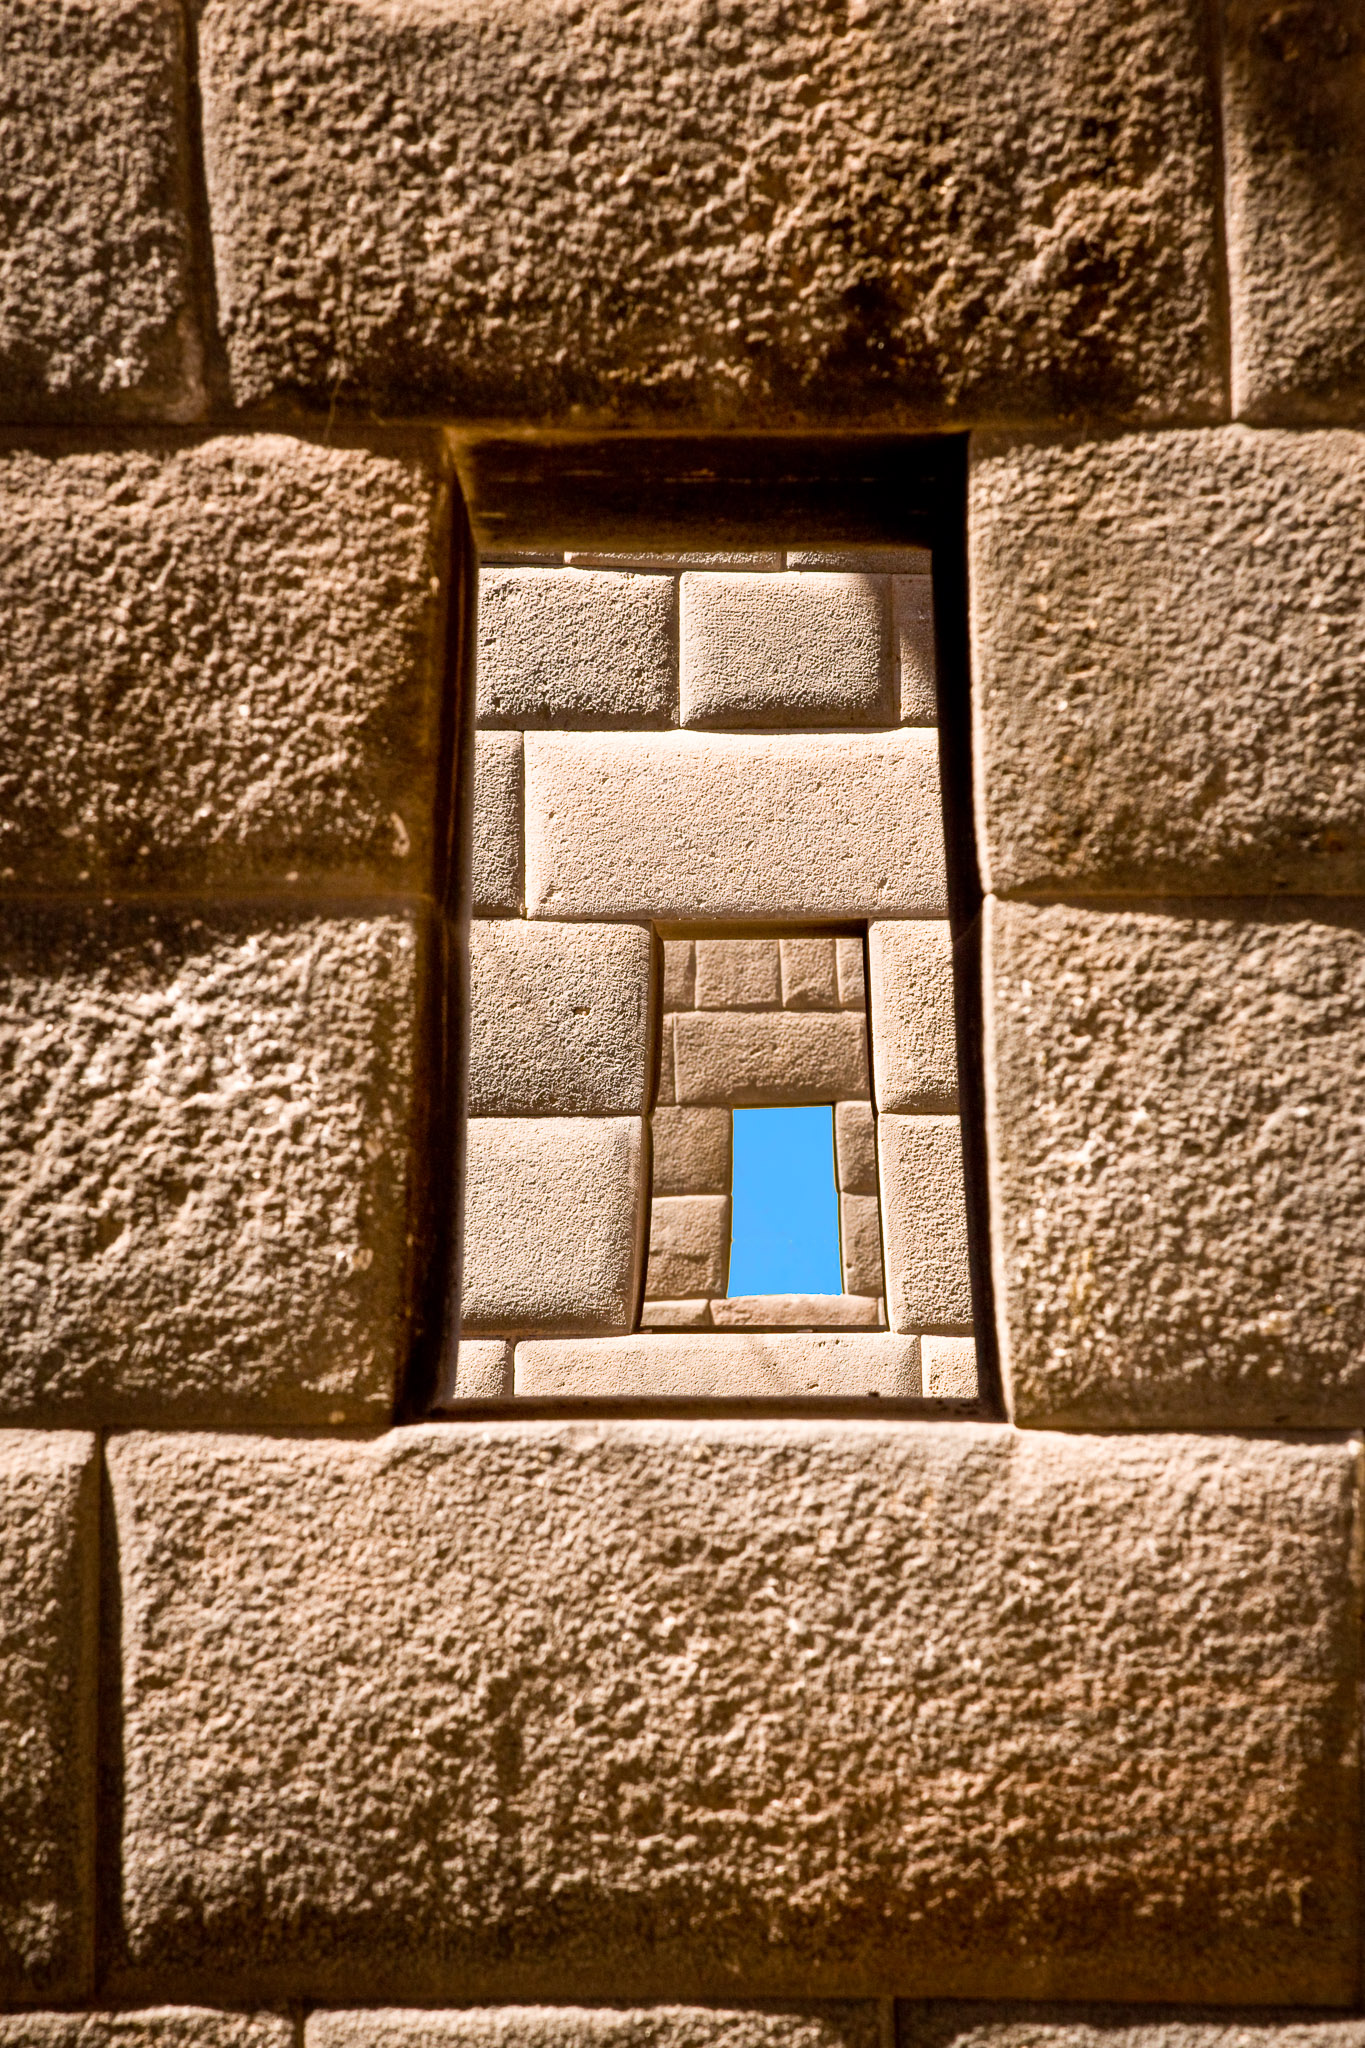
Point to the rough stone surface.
(665, 1092)
(49, 1537)
(680, 974)
(855, 1148)
(863, 561)
(691, 1151)
(495, 824)
(553, 1221)
(756, 1708)
(860, 1244)
(1177, 1155)
(207, 1178)
(689, 1246)
(675, 1315)
(752, 1366)
(738, 974)
(1169, 650)
(966, 2025)
(791, 1056)
(810, 974)
(852, 977)
(736, 826)
(929, 214)
(559, 1019)
(576, 647)
(949, 1367)
(914, 1034)
(912, 618)
(656, 2026)
(220, 664)
(164, 2026)
(96, 313)
(797, 1312)
(481, 1370)
(924, 1218)
(784, 650)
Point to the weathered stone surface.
(689, 1246)
(852, 977)
(863, 561)
(559, 1019)
(1170, 663)
(576, 647)
(912, 616)
(784, 650)
(855, 1148)
(675, 1315)
(211, 1195)
(762, 558)
(495, 824)
(860, 1244)
(691, 1151)
(1177, 1156)
(810, 974)
(49, 1538)
(949, 1368)
(734, 1057)
(738, 974)
(221, 664)
(924, 1218)
(734, 826)
(165, 2026)
(967, 2025)
(796, 1312)
(1000, 211)
(1061, 1713)
(655, 2026)
(665, 1093)
(96, 302)
(713, 1366)
(680, 974)
(914, 1033)
(480, 1370)
(553, 1222)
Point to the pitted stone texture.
(656, 2026)
(221, 664)
(691, 1151)
(680, 974)
(924, 1218)
(675, 1315)
(914, 1034)
(722, 1365)
(912, 614)
(481, 1370)
(525, 1706)
(165, 2026)
(1177, 1156)
(96, 302)
(559, 1019)
(855, 1148)
(813, 1312)
(207, 1163)
(784, 650)
(689, 1246)
(810, 975)
(949, 1366)
(860, 1244)
(576, 647)
(738, 974)
(786, 1056)
(579, 218)
(1170, 663)
(495, 852)
(965, 2025)
(744, 827)
(49, 1539)
(852, 979)
(553, 1222)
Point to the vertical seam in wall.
(216, 374)
(106, 1930)
(1214, 26)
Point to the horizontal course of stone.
(757, 1365)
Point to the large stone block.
(96, 297)
(208, 1132)
(559, 1019)
(49, 1538)
(737, 826)
(785, 650)
(914, 1035)
(165, 2026)
(221, 664)
(576, 647)
(691, 1151)
(996, 211)
(731, 1057)
(657, 2026)
(689, 1246)
(548, 1710)
(736, 974)
(1170, 663)
(1176, 1162)
(969, 2025)
(924, 1221)
(756, 1365)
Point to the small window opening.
(784, 1232)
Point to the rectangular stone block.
(496, 882)
(734, 827)
(860, 1244)
(855, 1148)
(762, 558)
(810, 975)
(210, 1167)
(1169, 650)
(97, 312)
(553, 1222)
(797, 1312)
(786, 1056)
(1174, 1104)
(852, 976)
(576, 647)
(777, 1365)
(680, 974)
(559, 1019)
(738, 974)
(914, 1029)
(380, 1625)
(924, 1223)
(480, 1369)
(541, 2026)
(970, 2025)
(691, 1151)
(221, 665)
(912, 624)
(675, 1315)
(166, 2026)
(665, 1094)
(689, 1246)
(871, 561)
(49, 1611)
(784, 650)
(949, 1368)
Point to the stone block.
(863, 561)
(935, 252)
(753, 1366)
(738, 974)
(49, 1612)
(852, 977)
(209, 1165)
(860, 1244)
(576, 647)
(675, 1315)
(1169, 651)
(924, 1221)
(797, 1312)
(810, 977)
(666, 1094)
(762, 558)
(1174, 1118)
(221, 665)
(165, 2026)
(734, 827)
(949, 1367)
(786, 1056)
(914, 1031)
(680, 974)
(657, 2026)
(691, 1151)
(784, 650)
(912, 620)
(495, 825)
(855, 1148)
(97, 315)
(491, 1759)
(553, 1222)
(559, 1019)
(689, 1246)
(480, 1370)
(970, 2025)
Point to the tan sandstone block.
(739, 827)
(860, 1244)
(784, 650)
(786, 1056)
(576, 647)
(680, 974)
(855, 1148)
(689, 1246)
(797, 1312)
(924, 1222)
(553, 1222)
(479, 1370)
(1174, 1104)
(164, 2026)
(559, 1019)
(1169, 646)
(852, 977)
(49, 1570)
(755, 1366)
(914, 1029)
(666, 1094)
(967, 2025)
(738, 974)
(567, 2026)
(496, 863)
(871, 561)
(912, 617)
(675, 1315)
(215, 1202)
(949, 1366)
(990, 1614)
(810, 975)
(691, 1151)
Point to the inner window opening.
(784, 1215)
